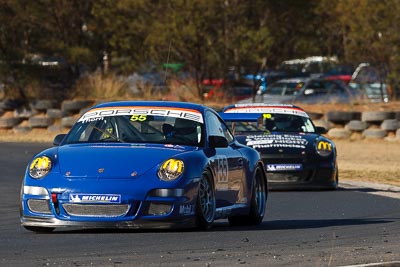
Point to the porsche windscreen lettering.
(268, 110)
(141, 113)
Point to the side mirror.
(58, 139)
(215, 141)
(321, 130)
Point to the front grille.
(290, 177)
(283, 158)
(39, 206)
(98, 210)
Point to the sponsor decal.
(284, 167)
(141, 113)
(187, 209)
(40, 163)
(324, 148)
(277, 141)
(95, 198)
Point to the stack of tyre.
(41, 114)
(360, 125)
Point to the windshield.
(275, 123)
(284, 88)
(139, 125)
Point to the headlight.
(170, 170)
(324, 148)
(40, 167)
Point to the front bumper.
(145, 207)
(135, 224)
(312, 177)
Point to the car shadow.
(304, 224)
(223, 225)
(366, 189)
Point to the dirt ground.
(361, 160)
(369, 160)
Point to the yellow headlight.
(40, 167)
(324, 148)
(171, 169)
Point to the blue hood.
(113, 161)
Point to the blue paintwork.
(129, 172)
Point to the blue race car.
(144, 165)
(294, 151)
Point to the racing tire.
(39, 229)
(206, 202)
(258, 202)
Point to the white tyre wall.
(7, 123)
(40, 122)
(341, 117)
(357, 126)
(375, 116)
(339, 133)
(390, 125)
(374, 133)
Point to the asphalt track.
(357, 224)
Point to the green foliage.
(209, 37)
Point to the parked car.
(341, 72)
(295, 152)
(263, 79)
(309, 91)
(218, 89)
(314, 66)
(371, 81)
(144, 165)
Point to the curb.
(386, 190)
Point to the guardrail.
(46, 114)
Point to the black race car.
(295, 153)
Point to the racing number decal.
(222, 169)
(138, 117)
(267, 116)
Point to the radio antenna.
(166, 65)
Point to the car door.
(227, 165)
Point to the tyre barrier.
(342, 117)
(21, 118)
(356, 125)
